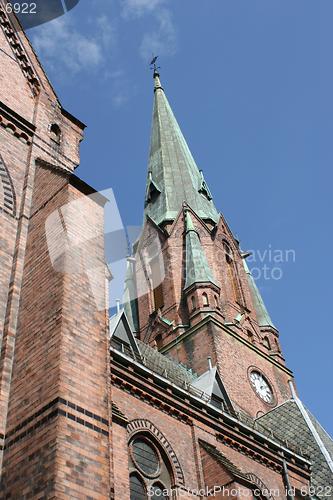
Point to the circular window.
(145, 457)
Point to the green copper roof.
(197, 268)
(263, 317)
(173, 176)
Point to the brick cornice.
(16, 124)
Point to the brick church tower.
(183, 393)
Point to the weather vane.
(153, 64)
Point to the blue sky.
(250, 82)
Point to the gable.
(211, 384)
(121, 335)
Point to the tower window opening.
(266, 342)
(205, 301)
(217, 305)
(193, 303)
(55, 133)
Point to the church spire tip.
(156, 73)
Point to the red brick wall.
(60, 352)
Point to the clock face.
(261, 386)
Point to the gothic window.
(149, 469)
(205, 301)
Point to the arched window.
(137, 488)
(205, 301)
(55, 133)
(266, 342)
(158, 491)
(217, 305)
(149, 469)
(231, 271)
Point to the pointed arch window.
(231, 270)
(137, 488)
(205, 300)
(149, 469)
(266, 342)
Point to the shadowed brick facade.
(159, 396)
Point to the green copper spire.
(197, 267)
(263, 317)
(173, 176)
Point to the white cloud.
(140, 7)
(67, 50)
(163, 39)
(121, 89)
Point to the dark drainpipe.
(287, 485)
